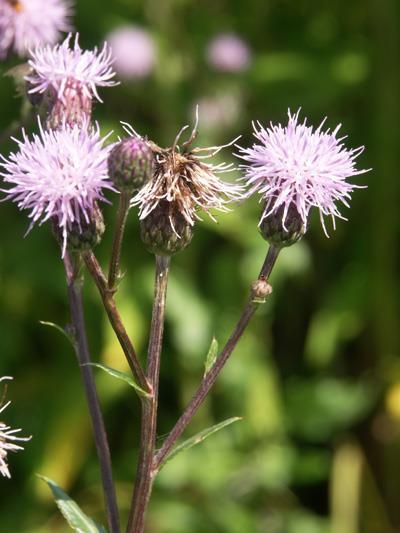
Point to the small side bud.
(281, 233)
(83, 236)
(165, 231)
(131, 164)
(260, 289)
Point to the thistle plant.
(64, 173)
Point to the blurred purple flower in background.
(25, 24)
(294, 166)
(219, 111)
(228, 53)
(59, 175)
(133, 50)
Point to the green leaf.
(66, 334)
(199, 437)
(71, 511)
(122, 376)
(211, 356)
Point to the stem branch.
(114, 317)
(211, 376)
(74, 286)
(122, 214)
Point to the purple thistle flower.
(8, 439)
(25, 24)
(64, 69)
(228, 53)
(294, 166)
(59, 175)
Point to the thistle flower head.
(183, 183)
(185, 179)
(59, 175)
(8, 440)
(295, 168)
(66, 68)
(25, 24)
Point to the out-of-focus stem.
(210, 378)
(122, 214)
(145, 473)
(114, 317)
(74, 286)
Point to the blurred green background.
(316, 377)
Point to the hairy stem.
(144, 473)
(122, 214)
(114, 317)
(211, 376)
(83, 355)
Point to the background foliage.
(317, 376)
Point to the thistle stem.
(211, 376)
(145, 473)
(114, 317)
(74, 286)
(122, 214)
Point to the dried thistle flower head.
(183, 183)
(8, 439)
(296, 168)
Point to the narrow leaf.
(71, 511)
(211, 356)
(66, 334)
(199, 437)
(122, 376)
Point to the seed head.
(187, 181)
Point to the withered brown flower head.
(184, 182)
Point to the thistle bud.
(260, 289)
(131, 164)
(82, 235)
(165, 231)
(283, 231)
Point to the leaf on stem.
(65, 332)
(211, 356)
(71, 511)
(199, 437)
(121, 376)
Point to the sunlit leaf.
(200, 437)
(121, 376)
(71, 511)
(211, 356)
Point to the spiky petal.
(67, 67)
(25, 24)
(59, 175)
(295, 165)
(8, 439)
